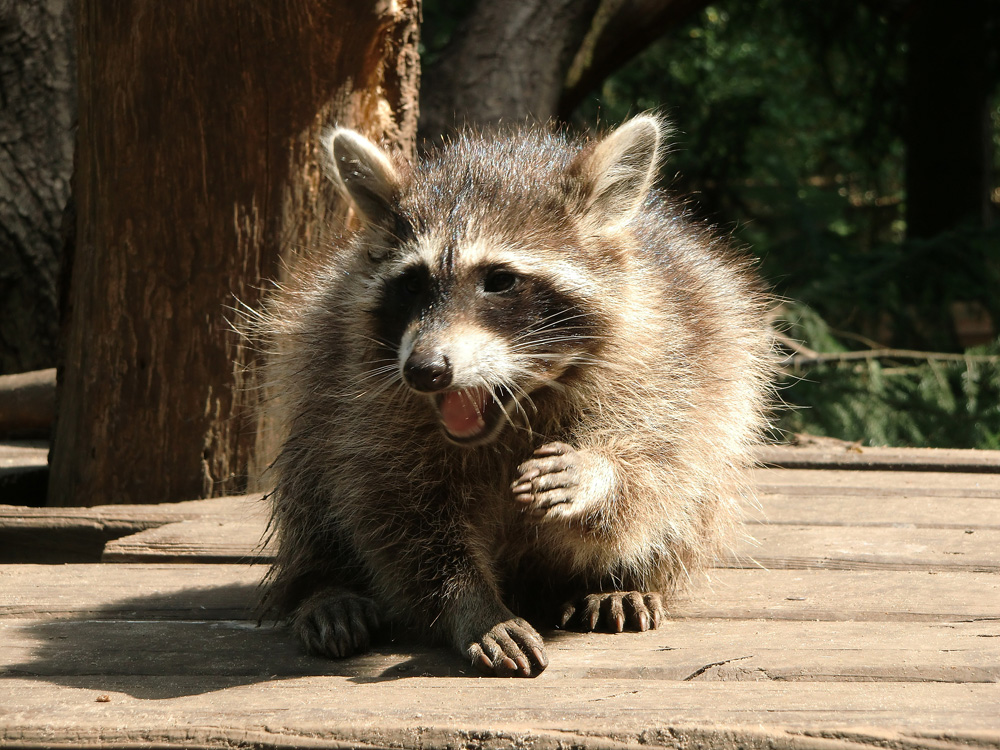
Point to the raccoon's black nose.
(428, 373)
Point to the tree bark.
(536, 59)
(196, 174)
(507, 61)
(37, 93)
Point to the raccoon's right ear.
(618, 172)
(364, 174)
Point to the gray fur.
(617, 438)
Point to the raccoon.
(524, 389)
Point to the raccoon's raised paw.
(614, 612)
(336, 624)
(559, 480)
(509, 649)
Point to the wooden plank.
(203, 540)
(27, 403)
(903, 512)
(753, 658)
(52, 535)
(146, 655)
(876, 484)
(130, 591)
(926, 499)
(840, 455)
(22, 455)
(871, 548)
(779, 483)
(895, 547)
(704, 650)
(864, 596)
(141, 591)
(133, 516)
(431, 712)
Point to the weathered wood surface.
(773, 546)
(835, 454)
(867, 613)
(925, 520)
(51, 535)
(23, 455)
(201, 540)
(426, 712)
(689, 648)
(27, 403)
(221, 591)
(809, 483)
(133, 518)
(760, 658)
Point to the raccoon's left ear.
(618, 171)
(364, 173)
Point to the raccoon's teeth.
(463, 412)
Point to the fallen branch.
(803, 356)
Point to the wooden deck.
(868, 614)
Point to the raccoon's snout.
(427, 372)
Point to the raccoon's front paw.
(560, 481)
(511, 648)
(614, 612)
(336, 623)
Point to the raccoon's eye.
(412, 283)
(497, 282)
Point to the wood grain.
(222, 591)
(853, 456)
(867, 614)
(681, 650)
(877, 484)
(430, 712)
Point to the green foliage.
(906, 402)
(897, 292)
(789, 118)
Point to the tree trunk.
(196, 173)
(621, 30)
(947, 133)
(516, 59)
(36, 158)
(507, 61)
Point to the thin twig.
(808, 358)
(796, 346)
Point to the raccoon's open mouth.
(470, 415)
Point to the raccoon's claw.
(510, 649)
(614, 612)
(550, 478)
(336, 624)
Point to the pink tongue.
(462, 411)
